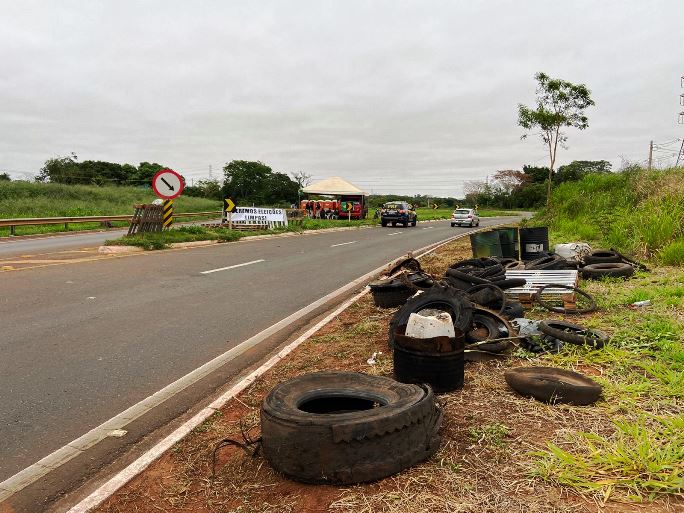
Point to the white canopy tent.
(334, 186)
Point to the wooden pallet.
(536, 279)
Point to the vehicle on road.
(465, 217)
(398, 212)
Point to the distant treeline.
(250, 182)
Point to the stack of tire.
(484, 280)
(394, 291)
(402, 280)
(441, 368)
(606, 263)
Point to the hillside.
(639, 211)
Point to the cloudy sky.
(396, 96)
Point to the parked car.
(465, 217)
(398, 212)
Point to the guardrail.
(35, 221)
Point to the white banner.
(258, 215)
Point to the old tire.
(388, 297)
(448, 299)
(444, 372)
(573, 333)
(347, 427)
(552, 385)
(538, 299)
(550, 262)
(613, 270)
(603, 256)
(512, 310)
(484, 328)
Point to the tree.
(255, 182)
(509, 180)
(560, 104)
(579, 168)
(536, 174)
(204, 189)
(61, 170)
(5, 177)
(303, 179)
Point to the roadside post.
(168, 214)
(228, 208)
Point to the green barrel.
(485, 244)
(509, 242)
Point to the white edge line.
(395, 233)
(232, 266)
(94, 499)
(344, 243)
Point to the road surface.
(82, 342)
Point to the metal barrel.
(534, 242)
(508, 238)
(485, 244)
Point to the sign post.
(228, 208)
(167, 217)
(167, 184)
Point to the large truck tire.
(348, 427)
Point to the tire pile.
(345, 428)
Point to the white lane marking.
(427, 227)
(344, 243)
(232, 266)
(395, 233)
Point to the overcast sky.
(396, 96)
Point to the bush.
(673, 253)
(640, 212)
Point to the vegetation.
(29, 199)
(639, 454)
(254, 182)
(68, 170)
(560, 104)
(635, 211)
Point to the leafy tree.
(146, 171)
(560, 104)
(204, 189)
(536, 174)
(255, 182)
(509, 180)
(5, 177)
(579, 168)
(60, 170)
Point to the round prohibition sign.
(168, 184)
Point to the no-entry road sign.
(168, 184)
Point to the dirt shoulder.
(495, 451)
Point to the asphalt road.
(42, 243)
(80, 343)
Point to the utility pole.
(650, 156)
(211, 175)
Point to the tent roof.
(334, 186)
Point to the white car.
(465, 217)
